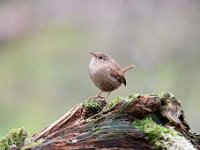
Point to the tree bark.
(96, 124)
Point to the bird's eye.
(100, 57)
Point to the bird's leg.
(99, 95)
(108, 94)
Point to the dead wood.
(96, 124)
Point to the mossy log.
(141, 122)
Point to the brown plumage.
(106, 73)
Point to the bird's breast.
(102, 78)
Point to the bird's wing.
(116, 66)
(115, 73)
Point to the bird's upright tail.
(125, 69)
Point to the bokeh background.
(44, 54)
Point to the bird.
(106, 73)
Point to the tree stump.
(141, 122)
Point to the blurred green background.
(44, 54)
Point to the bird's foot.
(98, 97)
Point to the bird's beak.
(94, 54)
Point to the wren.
(106, 73)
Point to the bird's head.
(100, 58)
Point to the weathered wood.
(96, 124)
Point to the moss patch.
(133, 96)
(154, 131)
(92, 105)
(119, 99)
(115, 101)
(161, 136)
(15, 138)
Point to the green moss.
(115, 101)
(14, 138)
(133, 96)
(154, 131)
(124, 102)
(161, 137)
(118, 99)
(92, 105)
